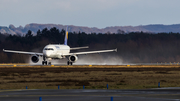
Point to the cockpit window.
(48, 49)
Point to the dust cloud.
(53, 62)
(96, 59)
(93, 59)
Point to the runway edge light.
(111, 98)
(40, 98)
(158, 84)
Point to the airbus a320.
(58, 51)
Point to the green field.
(92, 77)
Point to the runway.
(137, 65)
(163, 94)
(42, 81)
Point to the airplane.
(58, 51)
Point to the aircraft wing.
(79, 48)
(91, 52)
(22, 52)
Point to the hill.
(114, 29)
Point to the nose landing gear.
(44, 62)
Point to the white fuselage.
(56, 51)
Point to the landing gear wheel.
(49, 63)
(68, 62)
(44, 62)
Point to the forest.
(133, 47)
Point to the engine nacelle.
(35, 58)
(73, 58)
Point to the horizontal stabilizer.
(91, 52)
(79, 48)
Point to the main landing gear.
(44, 62)
(69, 63)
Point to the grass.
(92, 78)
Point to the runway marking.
(115, 95)
(11, 90)
(89, 66)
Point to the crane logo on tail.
(66, 36)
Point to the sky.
(90, 13)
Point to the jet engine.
(73, 58)
(35, 58)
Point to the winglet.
(115, 50)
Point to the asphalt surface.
(87, 64)
(163, 94)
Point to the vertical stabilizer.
(66, 36)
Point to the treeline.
(134, 47)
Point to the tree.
(132, 47)
(119, 31)
(38, 33)
(29, 34)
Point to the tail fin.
(66, 36)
